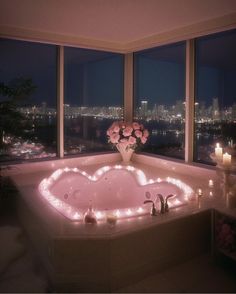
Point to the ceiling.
(117, 23)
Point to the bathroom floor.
(20, 271)
(199, 275)
(23, 273)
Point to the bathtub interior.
(118, 190)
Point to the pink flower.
(114, 138)
(145, 133)
(138, 134)
(132, 140)
(127, 131)
(136, 126)
(109, 132)
(115, 127)
(143, 140)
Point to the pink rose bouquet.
(129, 135)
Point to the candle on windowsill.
(218, 151)
(226, 159)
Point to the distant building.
(234, 111)
(160, 111)
(179, 108)
(144, 108)
(215, 109)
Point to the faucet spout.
(153, 209)
(162, 210)
(166, 202)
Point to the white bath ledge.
(109, 158)
(28, 178)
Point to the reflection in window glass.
(93, 98)
(215, 102)
(27, 100)
(160, 96)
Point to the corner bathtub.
(116, 190)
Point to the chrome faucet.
(166, 202)
(162, 210)
(153, 209)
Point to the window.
(27, 100)
(159, 97)
(93, 98)
(215, 97)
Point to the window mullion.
(60, 102)
(189, 103)
(128, 87)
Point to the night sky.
(95, 78)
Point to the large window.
(160, 97)
(27, 100)
(215, 102)
(93, 98)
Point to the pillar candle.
(218, 151)
(226, 159)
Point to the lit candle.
(218, 151)
(226, 159)
(111, 219)
(199, 192)
(211, 183)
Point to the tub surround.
(74, 253)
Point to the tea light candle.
(218, 151)
(211, 183)
(111, 219)
(199, 192)
(226, 159)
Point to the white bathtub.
(116, 190)
(73, 253)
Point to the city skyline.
(158, 111)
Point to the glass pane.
(160, 98)
(27, 100)
(215, 103)
(93, 98)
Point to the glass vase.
(126, 153)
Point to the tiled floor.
(199, 275)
